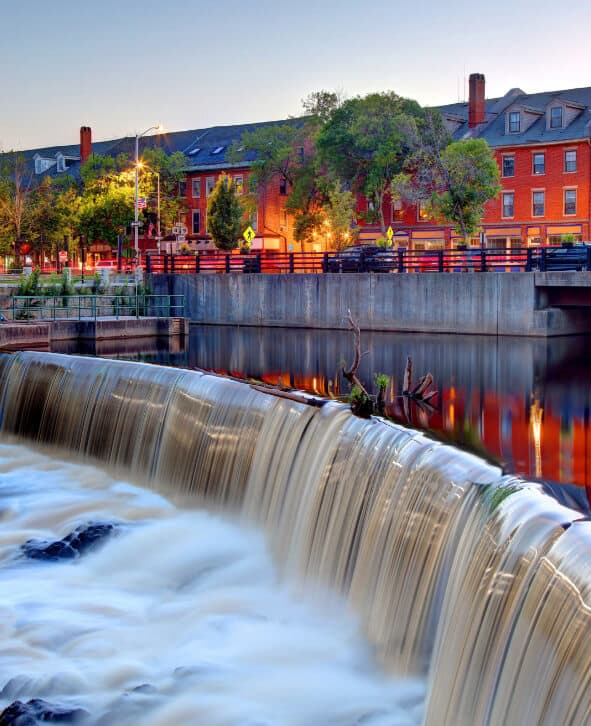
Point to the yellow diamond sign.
(249, 234)
(390, 234)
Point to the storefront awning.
(503, 232)
(565, 229)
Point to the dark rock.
(38, 710)
(81, 540)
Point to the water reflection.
(525, 402)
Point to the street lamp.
(141, 165)
(136, 243)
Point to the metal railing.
(91, 307)
(522, 259)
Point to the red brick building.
(542, 143)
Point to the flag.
(141, 203)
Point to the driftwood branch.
(351, 373)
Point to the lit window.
(196, 188)
(539, 163)
(196, 221)
(209, 185)
(218, 150)
(538, 203)
(509, 165)
(570, 201)
(508, 204)
(239, 184)
(514, 122)
(556, 117)
(397, 212)
(422, 211)
(570, 161)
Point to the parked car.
(573, 256)
(363, 258)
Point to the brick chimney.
(476, 105)
(85, 143)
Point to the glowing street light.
(136, 244)
(141, 165)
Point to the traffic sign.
(249, 234)
(63, 256)
(390, 234)
(179, 229)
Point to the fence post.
(197, 264)
(165, 264)
(258, 266)
(483, 260)
(148, 265)
(529, 260)
(543, 260)
(440, 260)
(227, 262)
(291, 262)
(325, 262)
(172, 264)
(400, 260)
(588, 261)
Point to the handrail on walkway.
(91, 307)
(519, 259)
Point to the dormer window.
(61, 163)
(218, 150)
(556, 117)
(514, 122)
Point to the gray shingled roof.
(493, 130)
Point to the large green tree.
(224, 214)
(365, 142)
(455, 181)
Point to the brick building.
(542, 143)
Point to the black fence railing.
(522, 259)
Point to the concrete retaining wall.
(23, 336)
(489, 303)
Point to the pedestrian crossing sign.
(249, 234)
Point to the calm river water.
(520, 401)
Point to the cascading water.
(477, 581)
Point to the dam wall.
(476, 303)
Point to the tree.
(170, 168)
(456, 181)
(366, 141)
(224, 214)
(16, 200)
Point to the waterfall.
(477, 579)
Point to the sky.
(121, 66)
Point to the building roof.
(204, 148)
(494, 127)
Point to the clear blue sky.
(120, 66)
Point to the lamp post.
(141, 165)
(136, 243)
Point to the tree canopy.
(225, 214)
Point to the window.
(570, 201)
(514, 122)
(196, 221)
(570, 161)
(195, 188)
(283, 219)
(422, 211)
(183, 189)
(239, 184)
(61, 163)
(508, 204)
(397, 213)
(218, 150)
(209, 185)
(538, 203)
(283, 187)
(539, 163)
(556, 117)
(194, 151)
(509, 165)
